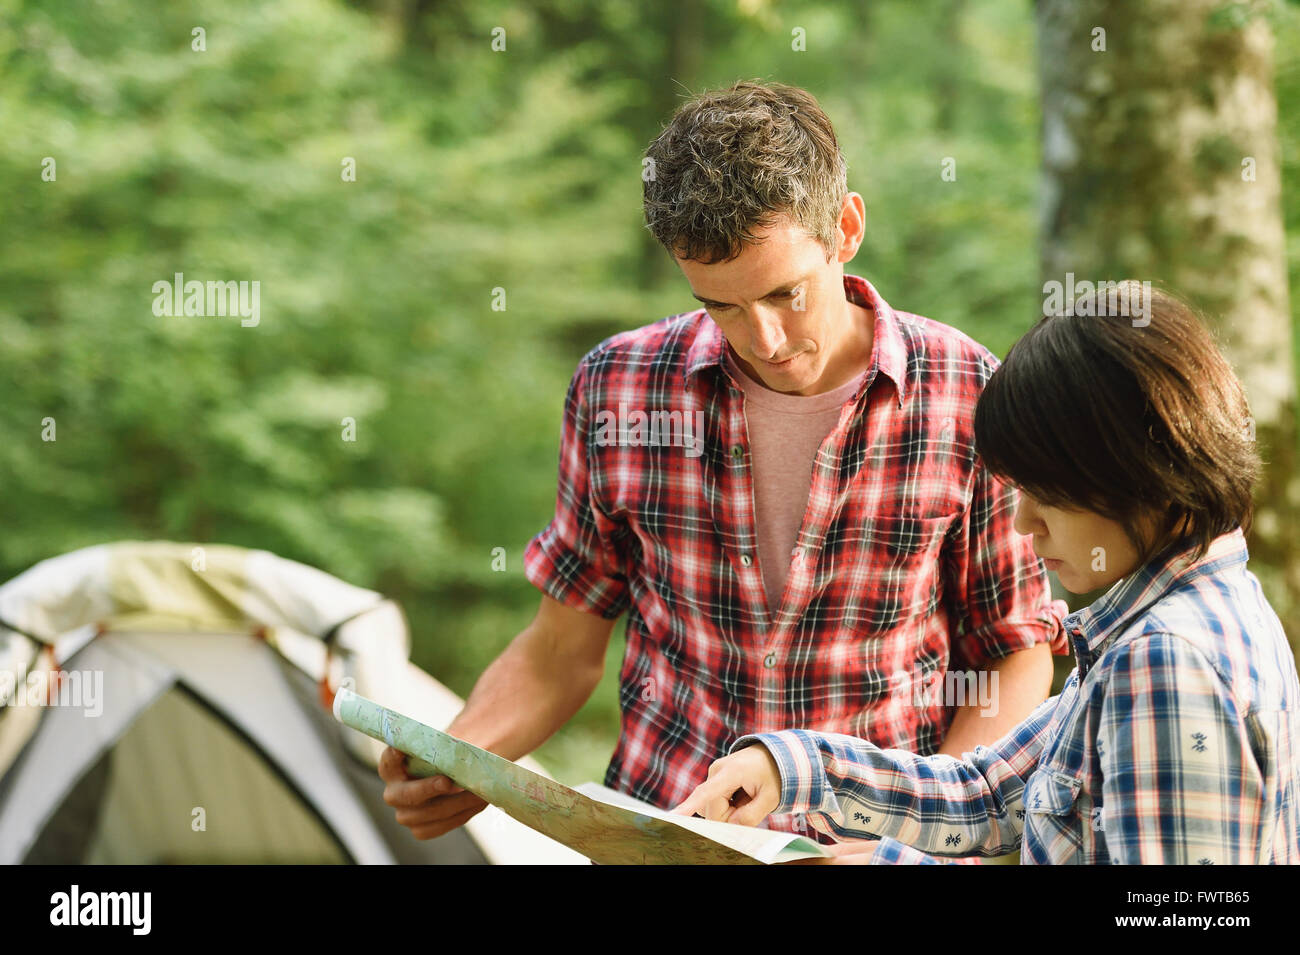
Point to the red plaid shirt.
(906, 565)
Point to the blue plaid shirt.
(1171, 742)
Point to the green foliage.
(475, 171)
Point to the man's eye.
(718, 308)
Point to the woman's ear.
(1147, 530)
(1160, 529)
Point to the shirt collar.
(1091, 628)
(888, 348)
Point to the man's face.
(781, 306)
(1087, 551)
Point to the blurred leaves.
(475, 171)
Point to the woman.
(1172, 741)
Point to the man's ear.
(845, 245)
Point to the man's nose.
(766, 334)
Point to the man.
(780, 489)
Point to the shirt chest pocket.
(885, 572)
(1051, 793)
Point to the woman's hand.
(743, 788)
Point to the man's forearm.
(1022, 681)
(524, 696)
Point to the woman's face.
(1088, 552)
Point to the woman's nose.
(1027, 520)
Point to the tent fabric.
(207, 584)
(211, 742)
(189, 755)
(65, 601)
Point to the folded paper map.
(606, 826)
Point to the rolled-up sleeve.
(998, 586)
(574, 559)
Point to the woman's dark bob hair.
(1121, 417)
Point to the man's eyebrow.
(787, 287)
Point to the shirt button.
(797, 554)
(769, 661)
(737, 451)
(746, 560)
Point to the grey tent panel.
(127, 790)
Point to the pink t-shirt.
(785, 432)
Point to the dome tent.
(164, 702)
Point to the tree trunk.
(682, 23)
(1161, 163)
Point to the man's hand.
(538, 682)
(743, 788)
(429, 807)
